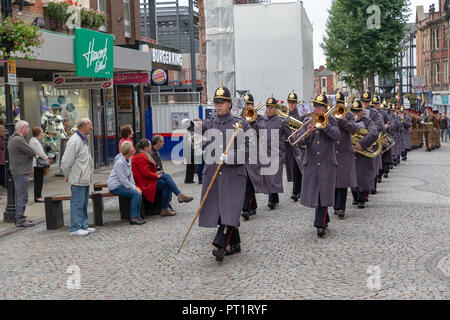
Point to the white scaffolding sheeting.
(219, 45)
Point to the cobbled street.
(398, 247)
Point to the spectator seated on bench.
(149, 180)
(121, 182)
(157, 144)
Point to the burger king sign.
(159, 77)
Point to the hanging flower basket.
(19, 37)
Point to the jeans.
(21, 196)
(444, 134)
(136, 199)
(38, 182)
(163, 186)
(78, 208)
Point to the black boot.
(219, 253)
(320, 232)
(245, 215)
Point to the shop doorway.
(129, 110)
(105, 129)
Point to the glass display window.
(60, 111)
(15, 104)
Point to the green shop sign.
(94, 54)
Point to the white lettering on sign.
(99, 57)
(167, 57)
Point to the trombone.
(293, 123)
(320, 119)
(250, 113)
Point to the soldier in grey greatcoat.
(254, 179)
(346, 174)
(375, 105)
(378, 119)
(294, 154)
(364, 165)
(276, 128)
(388, 124)
(319, 165)
(406, 141)
(398, 135)
(223, 205)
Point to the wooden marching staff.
(237, 126)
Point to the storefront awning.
(57, 53)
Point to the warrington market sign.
(94, 54)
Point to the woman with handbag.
(40, 163)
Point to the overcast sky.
(317, 11)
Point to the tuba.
(251, 113)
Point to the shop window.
(127, 18)
(15, 104)
(60, 112)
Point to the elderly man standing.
(78, 166)
(21, 156)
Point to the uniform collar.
(225, 118)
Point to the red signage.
(130, 78)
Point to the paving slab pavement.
(398, 247)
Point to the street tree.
(363, 38)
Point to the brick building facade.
(433, 49)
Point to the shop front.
(51, 94)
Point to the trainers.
(136, 221)
(24, 224)
(80, 232)
(91, 230)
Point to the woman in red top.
(126, 134)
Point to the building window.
(127, 18)
(436, 73)
(436, 38)
(323, 84)
(101, 5)
(445, 78)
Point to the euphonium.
(250, 113)
(293, 123)
(371, 152)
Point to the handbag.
(42, 163)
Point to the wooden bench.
(54, 213)
(147, 208)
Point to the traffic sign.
(12, 66)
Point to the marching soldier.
(319, 165)
(386, 157)
(428, 129)
(294, 156)
(254, 178)
(406, 138)
(276, 128)
(364, 165)
(378, 119)
(346, 173)
(379, 166)
(436, 129)
(223, 205)
(397, 128)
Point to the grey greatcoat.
(319, 165)
(254, 169)
(227, 193)
(387, 155)
(406, 141)
(379, 122)
(275, 126)
(346, 174)
(364, 165)
(398, 138)
(294, 154)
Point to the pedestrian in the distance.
(78, 166)
(126, 134)
(444, 127)
(21, 157)
(2, 157)
(36, 144)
